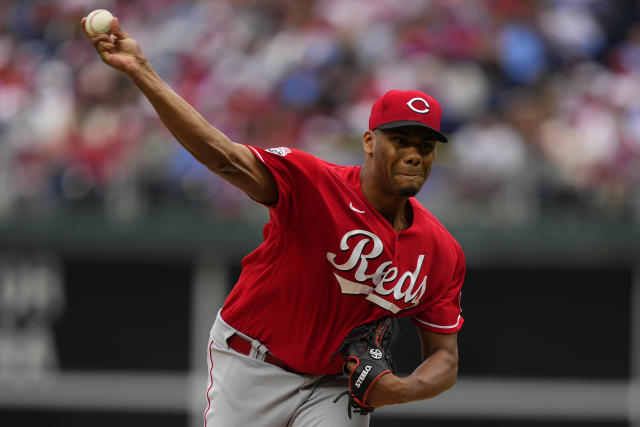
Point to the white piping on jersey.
(256, 153)
(354, 209)
(439, 326)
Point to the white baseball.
(98, 22)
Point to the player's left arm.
(437, 373)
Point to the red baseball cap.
(398, 108)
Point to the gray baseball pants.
(246, 391)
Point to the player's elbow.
(452, 370)
(441, 377)
(449, 373)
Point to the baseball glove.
(367, 345)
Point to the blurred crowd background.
(113, 239)
(541, 100)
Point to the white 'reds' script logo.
(407, 295)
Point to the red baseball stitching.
(91, 16)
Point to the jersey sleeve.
(444, 314)
(294, 171)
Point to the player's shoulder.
(288, 154)
(426, 221)
(308, 160)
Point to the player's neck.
(395, 209)
(395, 212)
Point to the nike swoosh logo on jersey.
(354, 209)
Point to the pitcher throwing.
(347, 249)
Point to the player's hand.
(388, 390)
(117, 48)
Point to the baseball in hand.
(98, 22)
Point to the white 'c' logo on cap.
(426, 108)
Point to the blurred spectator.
(491, 157)
(540, 97)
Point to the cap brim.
(402, 123)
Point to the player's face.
(403, 158)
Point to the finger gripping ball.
(98, 22)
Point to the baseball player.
(344, 247)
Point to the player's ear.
(367, 141)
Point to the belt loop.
(258, 350)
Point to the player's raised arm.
(232, 161)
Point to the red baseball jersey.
(330, 262)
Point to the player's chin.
(409, 187)
(409, 191)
